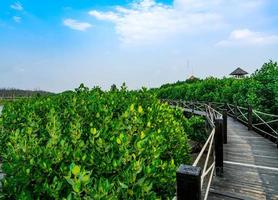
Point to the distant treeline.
(259, 90)
(14, 93)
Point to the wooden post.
(218, 147)
(250, 126)
(225, 131)
(188, 182)
(226, 107)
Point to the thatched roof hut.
(239, 73)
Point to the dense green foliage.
(13, 93)
(259, 90)
(197, 131)
(92, 144)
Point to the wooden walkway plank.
(250, 167)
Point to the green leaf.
(69, 180)
(142, 135)
(77, 187)
(71, 166)
(75, 170)
(123, 185)
(86, 179)
(119, 141)
(94, 131)
(69, 197)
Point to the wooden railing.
(193, 181)
(264, 123)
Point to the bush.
(196, 126)
(260, 90)
(90, 144)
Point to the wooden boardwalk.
(250, 167)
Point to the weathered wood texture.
(250, 167)
(195, 112)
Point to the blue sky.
(56, 45)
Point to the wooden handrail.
(261, 122)
(252, 118)
(215, 119)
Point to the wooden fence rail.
(264, 123)
(193, 181)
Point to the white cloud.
(197, 4)
(17, 19)
(17, 6)
(148, 20)
(77, 25)
(248, 37)
(110, 16)
(224, 5)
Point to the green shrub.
(196, 126)
(260, 90)
(90, 144)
